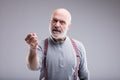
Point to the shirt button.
(61, 63)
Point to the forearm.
(33, 59)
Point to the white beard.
(58, 36)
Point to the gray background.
(94, 22)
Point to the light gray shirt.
(61, 60)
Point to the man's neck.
(59, 40)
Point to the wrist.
(33, 48)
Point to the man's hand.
(32, 40)
(33, 59)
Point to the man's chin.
(58, 36)
(55, 37)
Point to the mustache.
(56, 29)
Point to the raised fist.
(32, 40)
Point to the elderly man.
(58, 57)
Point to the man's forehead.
(60, 15)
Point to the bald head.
(63, 13)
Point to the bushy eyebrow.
(59, 20)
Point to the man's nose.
(57, 24)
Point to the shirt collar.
(52, 40)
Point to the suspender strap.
(78, 58)
(45, 54)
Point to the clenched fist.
(32, 40)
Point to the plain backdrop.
(94, 22)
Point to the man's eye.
(62, 22)
(54, 20)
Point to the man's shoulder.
(79, 44)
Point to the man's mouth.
(56, 31)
